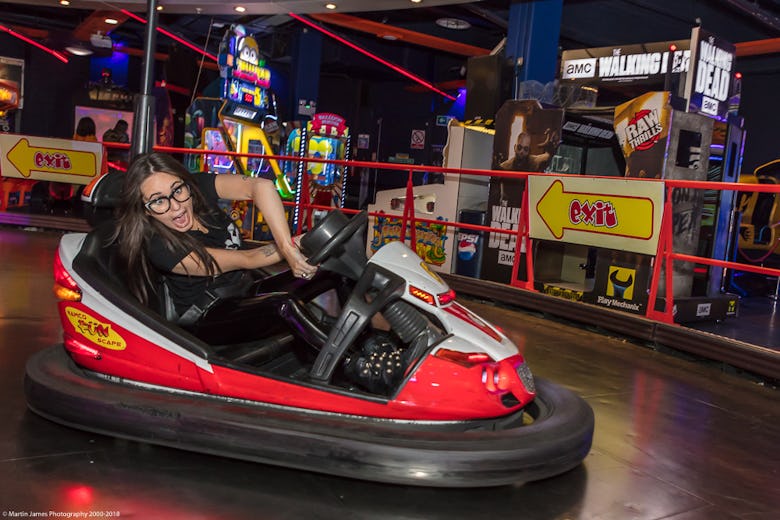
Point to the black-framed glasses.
(162, 204)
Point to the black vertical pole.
(143, 126)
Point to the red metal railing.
(665, 255)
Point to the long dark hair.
(136, 229)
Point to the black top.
(222, 233)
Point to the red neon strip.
(171, 35)
(54, 53)
(372, 56)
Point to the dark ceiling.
(585, 23)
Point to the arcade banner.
(627, 64)
(434, 202)
(642, 128)
(708, 86)
(46, 159)
(605, 213)
(526, 139)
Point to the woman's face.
(162, 193)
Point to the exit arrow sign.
(28, 159)
(50, 159)
(616, 214)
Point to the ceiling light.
(160, 8)
(78, 49)
(65, 2)
(239, 8)
(111, 21)
(330, 6)
(416, 1)
(388, 36)
(453, 23)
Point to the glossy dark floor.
(674, 439)
(758, 322)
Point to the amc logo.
(584, 68)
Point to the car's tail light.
(466, 359)
(446, 297)
(443, 298)
(422, 295)
(65, 287)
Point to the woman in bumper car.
(169, 221)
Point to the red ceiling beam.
(757, 47)
(396, 33)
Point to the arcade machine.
(681, 132)
(11, 190)
(588, 146)
(243, 121)
(465, 148)
(458, 196)
(325, 136)
(249, 106)
(202, 131)
(758, 242)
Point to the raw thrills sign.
(647, 63)
(642, 128)
(709, 84)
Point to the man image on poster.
(526, 139)
(524, 161)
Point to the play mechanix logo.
(644, 129)
(96, 331)
(620, 289)
(621, 282)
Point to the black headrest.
(101, 197)
(104, 192)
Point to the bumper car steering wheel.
(328, 239)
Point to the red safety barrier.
(665, 255)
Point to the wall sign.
(609, 213)
(708, 86)
(626, 64)
(43, 158)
